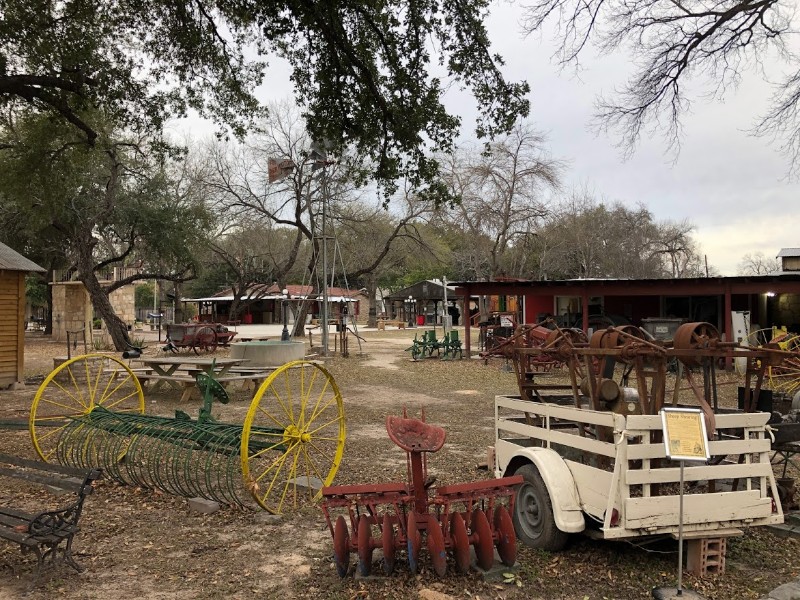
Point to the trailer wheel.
(533, 513)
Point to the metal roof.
(10, 260)
(788, 252)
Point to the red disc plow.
(402, 516)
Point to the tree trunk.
(48, 325)
(483, 308)
(117, 328)
(299, 320)
(371, 286)
(177, 305)
(236, 304)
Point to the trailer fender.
(560, 484)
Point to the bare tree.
(672, 42)
(502, 191)
(373, 242)
(584, 237)
(757, 264)
(293, 203)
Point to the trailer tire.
(533, 517)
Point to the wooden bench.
(46, 531)
(384, 322)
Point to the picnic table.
(180, 372)
(383, 322)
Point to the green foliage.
(36, 290)
(143, 295)
(110, 199)
(362, 70)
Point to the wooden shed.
(13, 267)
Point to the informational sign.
(685, 434)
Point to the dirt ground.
(137, 543)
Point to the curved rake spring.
(181, 457)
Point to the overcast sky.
(732, 186)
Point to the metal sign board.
(685, 435)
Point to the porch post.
(467, 320)
(728, 324)
(585, 309)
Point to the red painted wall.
(537, 304)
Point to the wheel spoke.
(303, 393)
(86, 388)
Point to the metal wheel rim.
(297, 415)
(341, 546)
(414, 543)
(364, 546)
(387, 542)
(458, 529)
(436, 546)
(506, 538)
(75, 388)
(530, 511)
(205, 339)
(484, 546)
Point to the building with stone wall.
(790, 259)
(73, 311)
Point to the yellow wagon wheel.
(293, 436)
(76, 387)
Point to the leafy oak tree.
(102, 206)
(369, 74)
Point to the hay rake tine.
(103, 425)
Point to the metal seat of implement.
(415, 435)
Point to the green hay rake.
(89, 413)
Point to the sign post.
(685, 438)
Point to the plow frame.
(415, 507)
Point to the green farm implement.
(89, 413)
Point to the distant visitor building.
(790, 259)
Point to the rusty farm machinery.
(89, 413)
(591, 362)
(396, 516)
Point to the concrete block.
(787, 591)
(265, 518)
(494, 573)
(203, 506)
(306, 483)
(271, 353)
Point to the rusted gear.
(387, 543)
(695, 336)
(564, 341)
(598, 339)
(435, 539)
(341, 546)
(484, 543)
(506, 538)
(460, 542)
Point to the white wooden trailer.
(625, 487)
